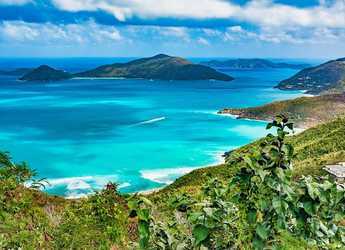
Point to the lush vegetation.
(31, 219)
(257, 200)
(303, 111)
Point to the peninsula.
(305, 112)
(328, 77)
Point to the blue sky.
(190, 28)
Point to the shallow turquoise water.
(143, 134)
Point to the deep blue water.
(143, 134)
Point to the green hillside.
(305, 112)
(230, 206)
(326, 77)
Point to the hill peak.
(160, 56)
(45, 73)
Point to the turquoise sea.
(142, 134)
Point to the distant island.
(305, 112)
(251, 64)
(45, 73)
(328, 77)
(159, 67)
(15, 72)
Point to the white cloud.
(211, 32)
(14, 2)
(123, 9)
(179, 32)
(258, 12)
(159, 32)
(266, 13)
(291, 35)
(88, 32)
(92, 33)
(203, 41)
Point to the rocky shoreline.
(305, 112)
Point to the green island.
(252, 63)
(158, 67)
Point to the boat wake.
(152, 120)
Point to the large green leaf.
(251, 217)
(262, 231)
(309, 207)
(144, 214)
(258, 244)
(200, 233)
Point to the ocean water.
(142, 134)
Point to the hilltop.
(159, 67)
(251, 64)
(45, 73)
(325, 78)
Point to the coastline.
(297, 129)
(238, 113)
(219, 159)
(218, 156)
(80, 187)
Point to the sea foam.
(165, 176)
(81, 186)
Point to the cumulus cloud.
(123, 9)
(159, 32)
(203, 41)
(290, 35)
(92, 33)
(179, 32)
(14, 2)
(258, 12)
(88, 32)
(266, 13)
